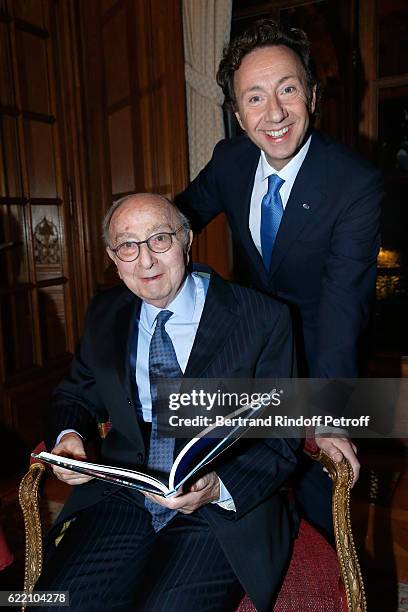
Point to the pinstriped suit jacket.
(242, 334)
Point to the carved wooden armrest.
(28, 497)
(342, 476)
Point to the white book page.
(95, 468)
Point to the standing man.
(231, 529)
(303, 211)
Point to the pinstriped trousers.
(111, 559)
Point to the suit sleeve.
(348, 283)
(76, 402)
(262, 467)
(201, 201)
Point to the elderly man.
(304, 212)
(231, 529)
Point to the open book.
(192, 458)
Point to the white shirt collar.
(182, 306)
(288, 172)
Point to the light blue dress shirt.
(187, 308)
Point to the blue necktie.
(162, 364)
(271, 215)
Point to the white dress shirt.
(260, 188)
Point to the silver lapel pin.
(306, 206)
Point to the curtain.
(206, 26)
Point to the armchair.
(317, 580)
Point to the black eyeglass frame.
(171, 234)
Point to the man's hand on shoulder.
(339, 447)
(70, 445)
(204, 491)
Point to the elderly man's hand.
(337, 448)
(70, 445)
(204, 491)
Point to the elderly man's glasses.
(157, 243)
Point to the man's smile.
(148, 279)
(277, 133)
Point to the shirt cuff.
(225, 500)
(65, 431)
(322, 430)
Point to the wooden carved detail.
(28, 496)
(342, 476)
(46, 243)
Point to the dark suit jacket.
(242, 334)
(324, 259)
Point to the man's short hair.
(264, 33)
(182, 219)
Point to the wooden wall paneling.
(97, 134)
(17, 254)
(74, 181)
(160, 64)
(121, 109)
(18, 335)
(142, 81)
(37, 327)
(6, 82)
(65, 309)
(31, 11)
(32, 49)
(367, 90)
(135, 108)
(27, 286)
(26, 408)
(106, 5)
(39, 139)
(10, 185)
(121, 144)
(52, 317)
(392, 35)
(67, 219)
(166, 92)
(116, 56)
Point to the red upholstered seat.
(6, 558)
(312, 583)
(38, 449)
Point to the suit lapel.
(217, 322)
(242, 186)
(125, 349)
(306, 198)
(124, 337)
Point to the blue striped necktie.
(162, 364)
(271, 215)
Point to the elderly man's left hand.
(339, 447)
(204, 491)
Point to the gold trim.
(28, 497)
(342, 476)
